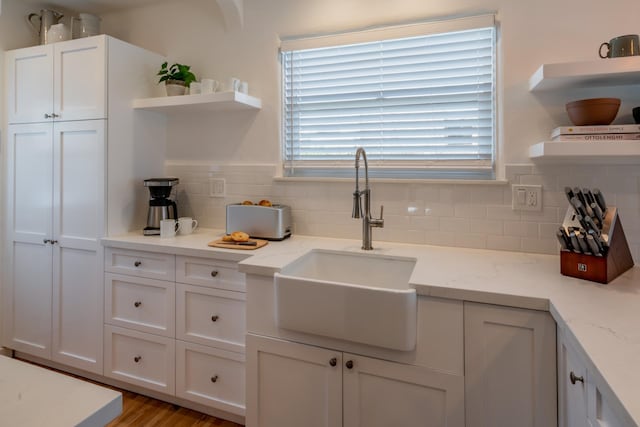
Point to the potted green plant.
(177, 78)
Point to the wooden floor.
(139, 411)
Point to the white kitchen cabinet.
(56, 189)
(291, 384)
(142, 359)
(177, 310)
(210, 376)
(58, 81)
(69, 183)
(583, 400)
(146, 305)
(510, 367)
(572, 387)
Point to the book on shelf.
(599, 137)
(582, 130)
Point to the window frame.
(423, 169)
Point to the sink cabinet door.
(292, 385)
(378, 393)
(510, 367)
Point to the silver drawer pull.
(214, 378)
(137, 359)
(574, 378)
(214, 273)
(137, 304)
(137, 263)
(215, 318)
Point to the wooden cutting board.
(230, 245)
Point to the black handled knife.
(598, 212)
(600, 199)
(593, 245)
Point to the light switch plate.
(526, 197)
(217, 187)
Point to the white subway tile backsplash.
(473, 215)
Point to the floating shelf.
(592, 152)
(218, 101)
(603, 72)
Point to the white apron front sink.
(363, 298)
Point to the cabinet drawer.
(210, 316)
(138, 303)
(142, 359)
(209, 272)
(141, 264)
(210, 376)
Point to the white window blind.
(421, 105)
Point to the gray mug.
(621, 46)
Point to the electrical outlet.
(216, 187)
(526, 197)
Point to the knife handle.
(599, 215)
(584, 247)
(562, 241)
(600, 199)
(578, 192)
(591, 224)
(574, 242)
(588, 195)
(569, 193)
(593, 245)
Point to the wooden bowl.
(593, 111)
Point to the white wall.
(531, 33)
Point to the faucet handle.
(381, 212)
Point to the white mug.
(244, 87)
(209, 85)
(187, 225)
(195, 88)
(233, 84)
(169, 227)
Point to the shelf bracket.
(233, 13)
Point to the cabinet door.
(292, 385)
(572, 387)
(78, 225)
(79, 84)
(378, 393)
(27, 281)
(29, 83)
(510, 367)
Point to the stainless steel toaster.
(262, 222)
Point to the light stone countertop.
(35, 396)
(603, 321)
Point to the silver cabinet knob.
(214, 273)
(214, 378)
(137, 263)
(137, 359)
(137, 304)
(215, 318)
(574, 378)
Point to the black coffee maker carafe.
(160, 206)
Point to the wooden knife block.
(601, 269)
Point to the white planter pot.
(175, 89)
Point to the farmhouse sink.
(363, 298)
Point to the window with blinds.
(421, 105)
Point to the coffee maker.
(160, 206)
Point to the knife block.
(602, 269)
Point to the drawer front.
(142, 359)
(141, 264)
(210, 317)
(143, 304)
(210, 376)
(209, 272)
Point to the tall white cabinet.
(75, 153)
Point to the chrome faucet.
(367, 221)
